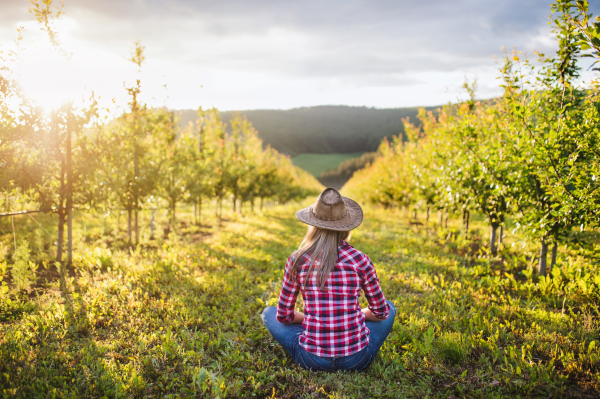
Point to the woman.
(333, 333)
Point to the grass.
(316, 164)
(180, 317)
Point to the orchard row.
(532, 154)
(70, 158)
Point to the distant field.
(316, 164)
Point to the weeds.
(23, 270)
(180, 317)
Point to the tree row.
(71, 159)
(532, 154)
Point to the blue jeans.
(288, 336)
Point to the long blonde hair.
(321, 245)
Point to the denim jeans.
(288, 336)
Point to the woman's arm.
(298, 317)
(378, 307)
(287, 298)
(369, 316)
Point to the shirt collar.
(344, 242)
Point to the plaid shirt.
(334, 325)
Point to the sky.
(266, 54)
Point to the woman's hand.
(369, 315)
(298, 317)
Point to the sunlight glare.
(50, 79)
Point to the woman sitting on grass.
(334, 333)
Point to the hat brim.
(353, 219)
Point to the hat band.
(331, 218)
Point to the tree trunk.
(70, 236)
(200, 209)
(61, 234)
(174, 200)
(62, 271)
(196, 212)
(427, 217)
(501, 236)
(554, 253)
(173, 216)
(441, 217)
(129, 225)
(69, 161)
(135, 227)
(261, 203)
(61, 214)
(252, 205)
(136, 195)
(415, 214)
(493, 231)
(466, 222)
(59, 249)
(446, 221)
(152, 225)
(543, 258)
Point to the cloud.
(323, 39)
(324, 45)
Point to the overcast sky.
(250, 54)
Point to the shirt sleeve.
(373, 292)
(288, 295)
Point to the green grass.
(180, 317)
(316, 164)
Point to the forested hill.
(323, 129)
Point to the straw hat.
(332, 211)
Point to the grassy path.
(183, 320)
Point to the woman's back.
(330, 274)
(334, 324)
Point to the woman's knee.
(270, 312)
(392, 307)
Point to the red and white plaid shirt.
(334, 325)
